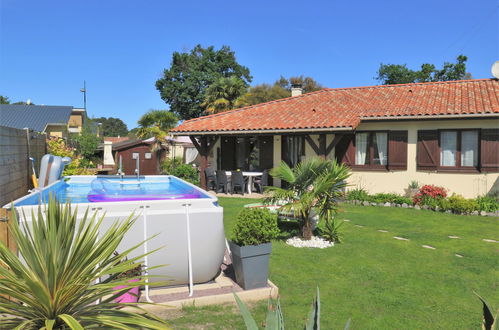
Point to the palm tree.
(64, 266)
(222, 94)
(156, 123)
(314, 185)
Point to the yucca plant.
(65, 266)
(275, 320)
(490, 321)
(313, 184)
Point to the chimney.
(296, 90)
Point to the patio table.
(250, 176)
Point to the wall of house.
(467, 184)
(75, 122)
(56, 130)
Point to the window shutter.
(489, 150)
(427, 151)
(345, 150)
(397, 150)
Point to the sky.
(120, 48)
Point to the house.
(149, 153)
(54, 120)
(182, 147)
(442, 133)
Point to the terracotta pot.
(131, 296)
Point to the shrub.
(390, 198)
(330, 229)
(358, 194)
(487, 203)
(459, 204)
(177, 168)
(429, 194)
(78, 166)
(255, 226)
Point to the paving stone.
(452, 236)
(382, 231)
(401, 238)
(359, 226)
(458, 255)
(429, 247)
(346, 220)
(490, 240)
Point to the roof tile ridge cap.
(412, 84)
(256, 105)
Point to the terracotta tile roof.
(116, 139)
(346, 107)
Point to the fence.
(16, 146)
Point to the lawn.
(377, 281)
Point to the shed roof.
(36, 117)
(344, 108)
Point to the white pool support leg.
(189, 251)
(146, 250)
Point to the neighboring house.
(148, 152)
(182, 147)
(442, 133)
(50, 119)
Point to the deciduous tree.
(112, 126)
(390, 74)
(183, 86)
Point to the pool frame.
(190, 229)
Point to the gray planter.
(251, 264)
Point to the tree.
(313, 186)
(390, 74)
(280, 89)
(87, 141)
(183, 85)
(222, 94)
(112, 126)
(4, 100)
(156, 123)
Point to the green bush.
(255, 226)
(358, 194)
(177, 168)
(459, 204)
(390, 198)
(487, 203)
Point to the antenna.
(495, 70)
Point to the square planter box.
(251, 264)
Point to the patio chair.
(222, 184)
(238, 182)
(262, 181)
(211, 179)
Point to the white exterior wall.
(467, 184)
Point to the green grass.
(377, 281)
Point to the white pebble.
(315, 242)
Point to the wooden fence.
(16, 146)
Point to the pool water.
(115, 189)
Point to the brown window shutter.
(345, 150)
(428, 156)
(489, 153)
(397, 150)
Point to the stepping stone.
(490, 240)
(429, 247)
(458, 255)
(359, 226)
(382, 231)
(451, 236)
(400, 238)
(346, 220)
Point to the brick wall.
(15, 168)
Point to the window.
(459, 148)
(147, 155)
(371, 148)
(135, 155)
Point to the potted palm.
(251, 246)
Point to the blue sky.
(47, 48)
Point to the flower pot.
(251, 264)
(131, 296)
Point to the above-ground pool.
(184, 217)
